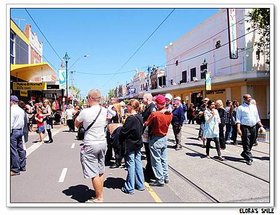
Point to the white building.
(207, 48)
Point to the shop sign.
(215, 91)
(29, 86)
(24, 93)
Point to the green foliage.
(111, 94)
(260, 20)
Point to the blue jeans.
(158, 146)
(228, 132)
(135, 175)
(18, 154)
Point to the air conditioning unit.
(195, 79)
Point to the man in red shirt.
(158, 123)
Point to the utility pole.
(66, 58)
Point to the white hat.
(178, 98)
(168, 96)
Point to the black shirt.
(131, 133)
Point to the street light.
(66, 58)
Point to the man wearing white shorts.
(94, 144)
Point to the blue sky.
(109, 36)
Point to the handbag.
(82, 130)
(113, 126)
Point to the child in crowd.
(39, 117)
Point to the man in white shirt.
(94, 144)
(247, 117)
(18, 154)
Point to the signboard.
(233, 52)
(208, 81)
(52, 86)
(24, 93)
(29, 86)
(62, 78)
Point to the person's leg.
(164, 159)
(97, 183)
(155, 149)
(129, 184)
(222, 136)
(15, 166)
(149, 174)
(246, 154)
(218, 148)
(139, 175)
(208, 140)
(21, 151)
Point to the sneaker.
(228, 142)
(208, 156)
(178, 148)
(249, 162)
(14, 173)
(23, 169)
(156, 184)
(125, 191)
(166, 181)
(220, 158)
(140, 189)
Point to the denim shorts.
(41, 129)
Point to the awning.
(41, 72)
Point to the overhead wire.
(143, 43)
(162, 65)
(43, 34)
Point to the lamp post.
(66, 58)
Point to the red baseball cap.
(160, 99)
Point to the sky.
(116, 41)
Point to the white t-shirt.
(96, 133)
(69, 113)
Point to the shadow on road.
(114, 183)
(80, 193)
(196, 155)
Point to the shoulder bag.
(82, 130)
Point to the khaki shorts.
(93, 159)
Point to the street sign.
(29, 86)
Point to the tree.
(111, 93)
(75, 91)
(260, 20)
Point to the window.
(258, 54)
(193, 73)
(203, 69)
(184, 77)
(12, 47)
(162, 81)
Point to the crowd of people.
(118, 131)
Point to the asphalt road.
(54, 176)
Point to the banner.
(29, 86)
(233, 52)
(62, 78)
(208, 81)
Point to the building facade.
(209, 49)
